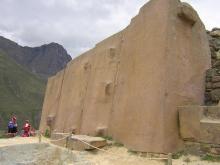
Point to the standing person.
(15, 125)
(10, 127)
(26, 129)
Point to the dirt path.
(101, 158)
(17, 140)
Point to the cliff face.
(129, 85)
(43, 61)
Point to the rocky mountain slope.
(43, 61)
(21, 93)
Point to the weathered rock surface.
(35, 154)
(201, 149)
(131, 83)
(83, 142)
(212, 94)
(200, 123)
(44, 61)
(190, 122)
(59, 139)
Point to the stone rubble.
(212, 92)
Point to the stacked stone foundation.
(212, 93)
(200, 129)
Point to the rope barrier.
(111, 153)
(119, 156)
(55, 140)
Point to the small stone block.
(210, 131)
(216, 79)
(189, 117)
(55, 139)
(76, 142)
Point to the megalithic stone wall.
(129, 85)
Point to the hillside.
(44, 61)
(21, 93)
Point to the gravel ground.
(27, 151)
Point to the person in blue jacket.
(13, 126)
(10, 127)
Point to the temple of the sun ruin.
(130, 85)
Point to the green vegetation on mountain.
(44, 61)
(21, 93)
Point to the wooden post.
(169, 160)
(68, 139)
(39, 137)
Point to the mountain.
(21, 93)
(44, 61)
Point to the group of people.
(13, 128)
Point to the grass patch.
(211, 158)
(47, 133)
(132, 152)
(2, 134)
(178, 155)
(187, 160)
(107, 138)
(117, 144)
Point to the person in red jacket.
(26, 129)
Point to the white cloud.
(78, 25)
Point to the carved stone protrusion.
(108, 88)
(187, 13)
(112, 53)
(50, 120)
(73, 130)
(101, 131)
(87, 66)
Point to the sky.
(79, 24)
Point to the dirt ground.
(120, 156)
(17, 140)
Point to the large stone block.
(134, 77)
(189, 117)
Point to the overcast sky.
(79, 24)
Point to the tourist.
(10, 127)
(15, 125)
(26, 129)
